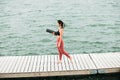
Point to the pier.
(46, 65)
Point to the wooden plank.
(31, 64)
(76, 62)
(66, 63)
(20, 64)
(73, 63)
(88, 61)
(24, 64)
(17, 64)
(77, 65)
(83, 61)
(21, 68)
(10, 63)
(52, 57)
(38, 64)
(88, 64)
(43, 74)
(34, 64)
(3, 61)
(116, 59)
(13, 64)
(63, 63)
(97, 61)
(27, 62)
(79, 62)
(49, 63)
(56, 65)
(42, 63)
(46, 65)
(108, 61)
(4, 64)
(7, 65)
(102, 60)
(92, 64)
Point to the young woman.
(60, 42)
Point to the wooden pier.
(46, 65)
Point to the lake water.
(92, 26)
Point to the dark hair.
(61, 23)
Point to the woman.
(60, 42)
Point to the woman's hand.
(59, 44)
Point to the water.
(92, 26)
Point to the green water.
(92, 26)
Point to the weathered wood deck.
(46, 65)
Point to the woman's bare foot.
(59, 62)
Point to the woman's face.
(58, 24)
